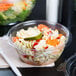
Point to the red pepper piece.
(25, 56)
(32, 56)
(38, 40)
(49, 38)
(35, 44)
(60, 35)
(15, 39)
(46, 47)
(49, 32)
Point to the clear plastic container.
(24, 25)
(71, 66)
(13, 11)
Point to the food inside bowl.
(39, 45)
(12, 11)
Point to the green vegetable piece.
(10, 14)
(39, 36)
(2, 16)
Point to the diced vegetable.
(35, 44)
(53, 42)
(46, 47)
(2, 16)
(24, 3)
(42, 26)
(49, 32)
(38, 40)
(39, 36)
(14, 39)
(60, 35)
(25, 56)
(5, 6)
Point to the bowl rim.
(34, 21)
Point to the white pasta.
(28, 33)
(41, 45)
(62, 40)
(55, 34)
(22, 44)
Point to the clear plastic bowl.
(15, 11)
(71, 66)
(24, 25)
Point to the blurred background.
(66, 14)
